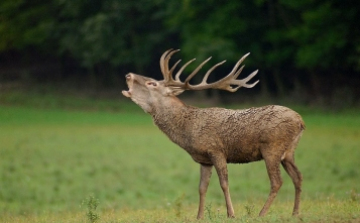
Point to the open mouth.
(129, 83)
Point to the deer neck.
(170, 117)
(169, 109)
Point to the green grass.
(52, 159)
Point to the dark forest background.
(307, 51)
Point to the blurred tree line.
(307, 49)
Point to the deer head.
(148, 92)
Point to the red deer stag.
(217, 136)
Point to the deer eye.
(152, 83)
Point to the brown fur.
(217, 136)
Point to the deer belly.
(201, 158)
(243, 156)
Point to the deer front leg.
(205, 174)
(221, 169)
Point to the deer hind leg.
(205, 174)
(273, 170)
(289, 165)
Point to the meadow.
(83, 160)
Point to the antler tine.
(237, 73)
(174, 66)
(204, 80)
(167, 58)
(243, 83)
(164, 64)
(162, 58)
(196, 70)
(238, 64)
(177, 76)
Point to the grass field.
(87, 165)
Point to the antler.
(229, 83)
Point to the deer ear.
(151, 83)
